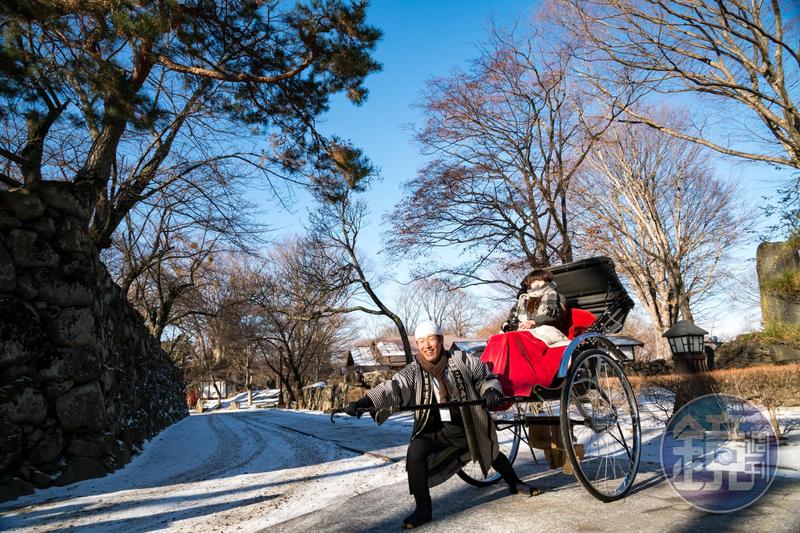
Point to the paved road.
(564, 506)
(652, 504)
(287, 471)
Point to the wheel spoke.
(509, 434)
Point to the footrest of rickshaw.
(548, 439)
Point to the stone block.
(82, 409)
(73, 237)
(29, 250)
(20, 337)
(772, 260)
(25, 288)
(47, 312)
(12, 488)
(55, 290)
(7, 220)
(79, 365)
(55, 388)
(82, 365)
(741, 353)
(47, 447)
(83, 271)
(784, 354)
(12, 351)
(31, 435)
(17, 371)
(24, 204)
(51, 366)
(36, 476)
(121, 454)
(85, 448)
(80, 468)
(8, 274)
(22, 402)
(10, 443)
(45, 226)
(72, 327)
(59, 195)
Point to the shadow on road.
(54, 516)
(775, 511)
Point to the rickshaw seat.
(522, 361)
(578, 322)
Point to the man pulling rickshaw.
(444, 439)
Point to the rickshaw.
(589, 411)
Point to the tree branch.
(236, 77)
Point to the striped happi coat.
(471, 377)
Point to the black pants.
(440, 438)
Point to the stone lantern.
(687, 346)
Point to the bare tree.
(166, 239)
(639, 327)
(334, 229)
(455, 310)
(407, 307)
(506, 139)
(652, 205)
(493, 325)
(293, 329)
(742, 55)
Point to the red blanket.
(521, 360)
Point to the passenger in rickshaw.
(538, 303)
(528, 350)
(439, 444)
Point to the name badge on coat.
(443, 413)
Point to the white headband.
(426, 329)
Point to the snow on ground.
(261, 398)
(655, 409)
(212, 472)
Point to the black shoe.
(421, 515)
(523, 489)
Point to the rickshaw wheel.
(508, 438)
(600, 425)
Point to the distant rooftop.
(363, 356)
(388, 348)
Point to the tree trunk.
(248, 382)
(216, 389)
(403, 338)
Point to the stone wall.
(774, 259)
(338, 395)
(82, 382)
(334, 396)
(747, 351)
(655, 367)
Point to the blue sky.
(422, 40)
